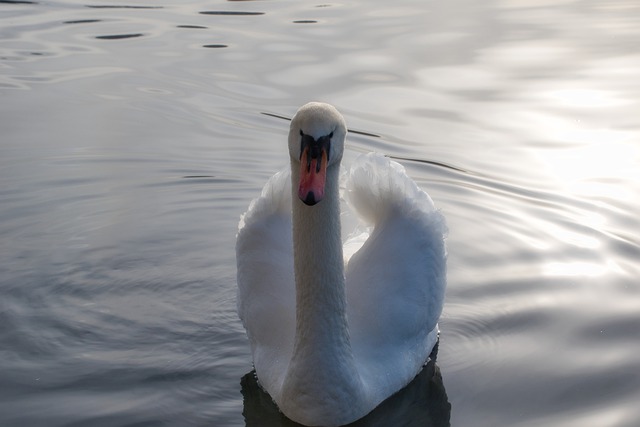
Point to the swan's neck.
(322, 358)
(319, 271)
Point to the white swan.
(333, 338)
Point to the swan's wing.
(396, 280)
(266, 287)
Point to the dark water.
(132, 136)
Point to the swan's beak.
(313, 174)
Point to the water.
(132, 138)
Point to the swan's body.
(333, 337)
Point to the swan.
(336, 328)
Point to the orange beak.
(313, 174)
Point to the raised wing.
(266, 286)
(396, 280)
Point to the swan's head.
(316, 143)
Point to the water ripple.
(119, 36)
(83, 21)
(109, 6)
(230, 13)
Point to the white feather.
(395, 275)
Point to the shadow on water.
(423, 402)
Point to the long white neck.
(322, 360)
(321, 321)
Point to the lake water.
(134, 134)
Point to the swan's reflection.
(423, 402)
